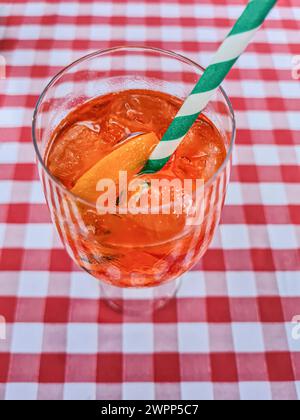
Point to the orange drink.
(98, 120)
(96, 140)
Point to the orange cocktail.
(102, 116)
(133, 249)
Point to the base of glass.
(137, 301)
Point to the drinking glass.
(136, 277)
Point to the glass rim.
(169, 53)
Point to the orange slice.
(130, 156)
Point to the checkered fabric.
(229, 334)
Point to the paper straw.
(228, 53)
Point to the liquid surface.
(100, 125)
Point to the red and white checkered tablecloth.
(229, 333)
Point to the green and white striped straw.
(228, 53)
